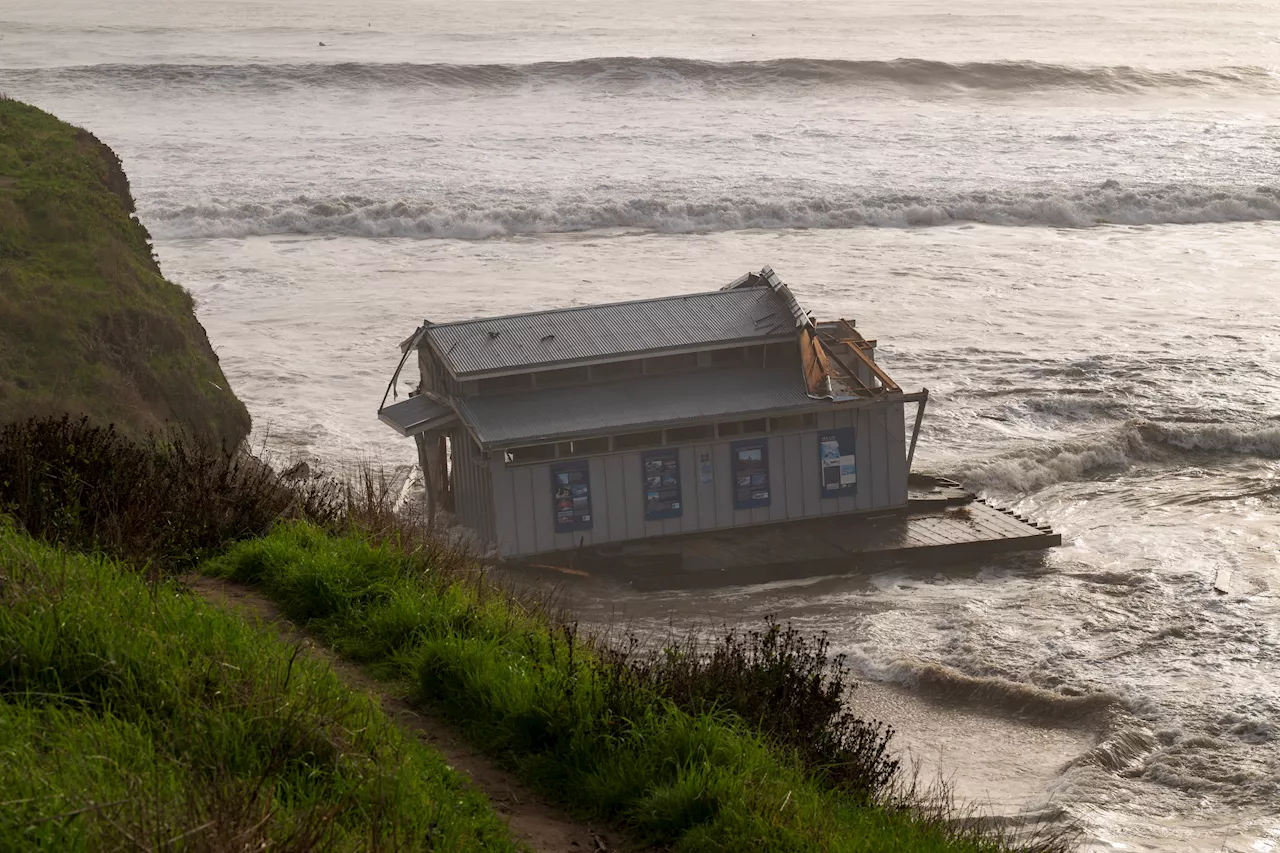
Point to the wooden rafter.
(852, 339)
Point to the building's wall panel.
(778, 479)
(521, 496)
(601, 521)
(847, 420)
(472, 487)
(706, 492)
(689, 521)
(831, 420)
(526, 520)
(897, 454)
(504, 507)
(793, 462)
(810, 479)
(880, 456)
(633, 493)
(862, 498)
(724, 484)
(615, 493)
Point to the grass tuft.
(134, 716)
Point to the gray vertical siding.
(523, 520)
(689, 522)
(614, 491)
(793, 486)
(472, 487)
(862, 500)
(897, 455)
(879, 457)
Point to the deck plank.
(835, 539)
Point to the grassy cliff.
(134, 716)
(88, 325)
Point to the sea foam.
(664, 73)
(1109, 451)
(481, 217)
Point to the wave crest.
(628, 73)
(998, 695)
(481, 218)
(1134, 442)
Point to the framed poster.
(662, 484)
(839, 469)
(571, 495)
(750, 461)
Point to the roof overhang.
(838, 404)
(641, 405)
(417, 415)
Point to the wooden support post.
(915, 432)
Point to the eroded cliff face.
(88, 325)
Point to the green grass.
(571, 724)
(134, 716)
(87, 323)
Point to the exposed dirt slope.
(88, 325)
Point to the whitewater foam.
(994, 695)
(664, 73)
(1105, 452)
(481, 218)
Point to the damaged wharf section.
(719, 431)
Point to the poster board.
(571, 495)
(838, 466)
(662, 485)
(750, 462)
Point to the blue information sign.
(750, 463)
(571, 493)
(838, 466)
(662, 485)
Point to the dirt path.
(544, 827)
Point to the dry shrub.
(163, 502)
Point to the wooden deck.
(944, 524)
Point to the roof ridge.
(596, 305)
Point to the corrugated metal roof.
(491, 344)
(645, 403)
(416, 414)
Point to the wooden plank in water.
(925, 534)
(999, 524)
(954, 530)
(1222, 582)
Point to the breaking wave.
(614, 74)
(1102, 453)
(997, 694)
(479, 219)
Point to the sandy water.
(939, 173)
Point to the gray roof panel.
(416, 414)
(649, 402)
(546, 338)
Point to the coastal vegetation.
(745, 743)
(134, 716)
(88, 325)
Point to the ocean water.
(1060, 218)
